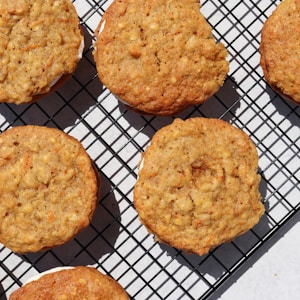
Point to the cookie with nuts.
(280, 50)
(198, 185)
(40, 45)
(48, 188)
(159, 57)
(72, 283)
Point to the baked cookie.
(280, 50)
(159, 57)
(76, 283)
(48, 188)
(197, 185)
(40, 45)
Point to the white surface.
(275, 274)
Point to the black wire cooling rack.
(116, 242)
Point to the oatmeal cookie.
(159, 57)
(76, 283)
(197, 185)
(48, 188)
(40, 45)
(280, 50)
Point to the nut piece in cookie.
(159, 57)
(40, 45)
(73, 284)
(48, 188)
(197, 185)
(280, 50)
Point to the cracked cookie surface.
(76, 283)
(197, 185)
(280, 50)
(40, 44)
(48, 188)
(159, 57)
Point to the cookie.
(280, 50)
(159, 57)
(48, 188)
(40, 45)
(73, 284)
(197, 184)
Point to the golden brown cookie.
(76, 283)
(280, 50)
(159, 57)
(40, 45)
(48, 188)
(197, 185)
